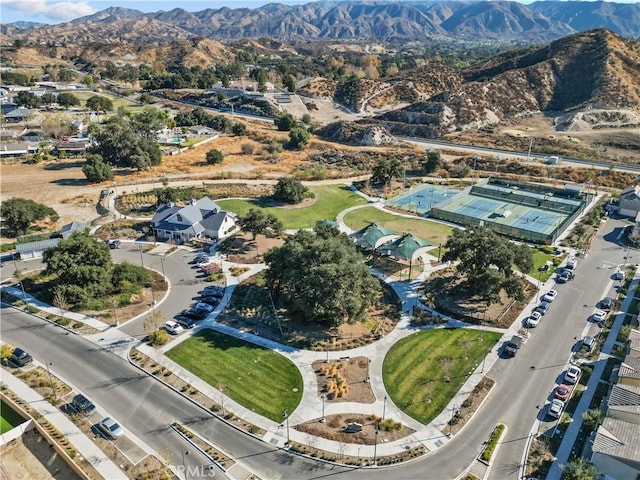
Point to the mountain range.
(334, 20)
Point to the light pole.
(285, 414)
(375, 447)
(18, 275)
(404, 173)
(538, 292)
(322, 420)
(53, 388)
(366, 380)
(162, 266)
(184, 467)
(141, 259)
(384, 407)
(453, 412)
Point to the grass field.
(257, 378)
(8, 418)
(329, 202)
(434, 232)
(539, 259)
(416, 368)
(83, 95)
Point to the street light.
(285, 414)
(366, 380)
(375, 447)
(384, 407)
(53, 389)
(184, 467)
(453, 412)
(322, 420)
(141, 259)
(162, 266)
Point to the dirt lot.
(29, 457)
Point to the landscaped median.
(490, 448)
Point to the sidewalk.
(79, 440)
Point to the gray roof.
(163, 212)
(625, 398)
(630, 367)
(18, 113)
(69, 228)
(196, 213)
(40, 245)
(632, 191)
(617, 438)
(634, 338)
(214, 221)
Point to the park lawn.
(257, 378)
(9, 418)
(84, 95)
(414, 370)
(434, 232)
(330, 200)
(539, 259)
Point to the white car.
(555, 408)
(599, 315)
(204, 263)
(572, 375)
(550, 296)
(173, 327)
(533, 320)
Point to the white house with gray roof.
(616, 449)
(199, 219)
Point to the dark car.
(193, 313)
(198, 259)
(606, 303)
(186, 322)
(543, 307)
(588, 343)
(113, 244)
(83, 405)
(212, 291)
(564, 276)
(20, 358)
(213, 301)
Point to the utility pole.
(53, 388)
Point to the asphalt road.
(146, 407)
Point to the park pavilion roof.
(372, 236)
(407, 247)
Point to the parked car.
(195, 314)
(512, 346)
(173, 328)
(572, 375)
(562, 392)
(533, 320)
(205, 307)
(110, 428)
(550, 296)
(572, 263)
(20, 358)
(198, 259)
(619, 275)
(113, 244)
(606, 303)
(544, 267)
(555, 408)
(543, 307)
(186, 322)
(598, 315)
(83, 405)
(564, 276)
(588, 343)
(213, 291)
(205, 262)
(213, 301)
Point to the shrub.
(247, 148)
(159, 337)
(487, 453)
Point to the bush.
(214, 156)
(487, 453)
(159, 337)
(247, 148)
(124, 299)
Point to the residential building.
(629, 372)
(624, 403)
(199, 219)
(633, 343)
(630, 201)
(18, 115)
(616, 449)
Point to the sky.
(56, 11)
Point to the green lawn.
(434, 232)
(84, 95)
(255, 377)
(539, 259)
(330, 201)
(9, 418)
(414, 369)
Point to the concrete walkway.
(78, 439)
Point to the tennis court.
(423, 198)
(537, 221)
(479, 207)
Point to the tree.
(487, 261)
(290, 83)
(96, 169)
(306, 118)
(99, 104)
(48, 98)
(257, 222)
(239, 129)
(130, 278)
(27, 99)
(166, 195)
(66, 100)
(320, 277)
(82, 267)
(148, 122)
(290, 190)
(579, 469)
(19, 213)
(433, 162)
(88, 80)
(214, 156)
(591, 419)
(284, 122)
(298, 138)
(385, 170)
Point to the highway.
(146, 407)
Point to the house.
(633, 343)
(9, 150)
(32, 135)
(198, 219)
(67, 230)
(202, 131)
(18, 115)
(623, 403)
(37, 249)
(630, 201)
(616, 451)
(629, 372)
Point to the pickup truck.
(512, 346)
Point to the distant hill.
(594, 69)
(382, 21)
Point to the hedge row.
(487, 453)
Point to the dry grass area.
(335, 425)
(243, 248)
(344, 380)
(540, 458)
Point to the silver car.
(110, 428)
